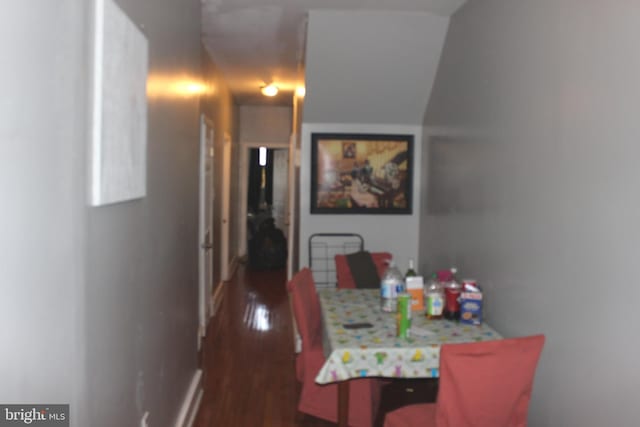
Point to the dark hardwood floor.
(248, 359)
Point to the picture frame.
(118, 157)
(361, 173)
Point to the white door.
(291, 207)
(225, 259)
(205, 233)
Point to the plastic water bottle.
(391, 285)
(434, 296)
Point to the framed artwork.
(119, 117)
(361, 173)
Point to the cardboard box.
(471, 308)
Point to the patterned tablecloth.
(376, 351)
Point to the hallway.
(248, 358)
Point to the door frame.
(225, 263)
(294, 162)
(244, 188)
(205, 289)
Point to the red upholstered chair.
(301, 276)
(484, 384)
(322, 400)
(343, 273)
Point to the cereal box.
(471, 308)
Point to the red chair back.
(487, 384)
(322, 400)
(306, 309)
(343, 273)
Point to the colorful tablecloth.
(376, 351)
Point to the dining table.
(360, 340)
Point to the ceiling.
(254, 42)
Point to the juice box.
(415, 288)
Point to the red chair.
(312, 347)
(484, 384)
(343, 272)
(322, 400)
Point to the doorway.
(265, 192)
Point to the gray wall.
(99, 305)
(141, 293)
(534, 117)
(370, 66)
(219, 107)
(264, 124)
(42, 140)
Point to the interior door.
(291, 209)
(225, 259)
(205, 233)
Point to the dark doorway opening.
(267, 243)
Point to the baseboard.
(216, 298)
(191, 402)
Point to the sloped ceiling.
(371, 66)
(258, 41)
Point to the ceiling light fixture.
(269, 90)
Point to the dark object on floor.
(268, 248)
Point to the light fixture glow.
(176, 87)
(262, 157)
(192, 88)
(301, 91)
(269, 90)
